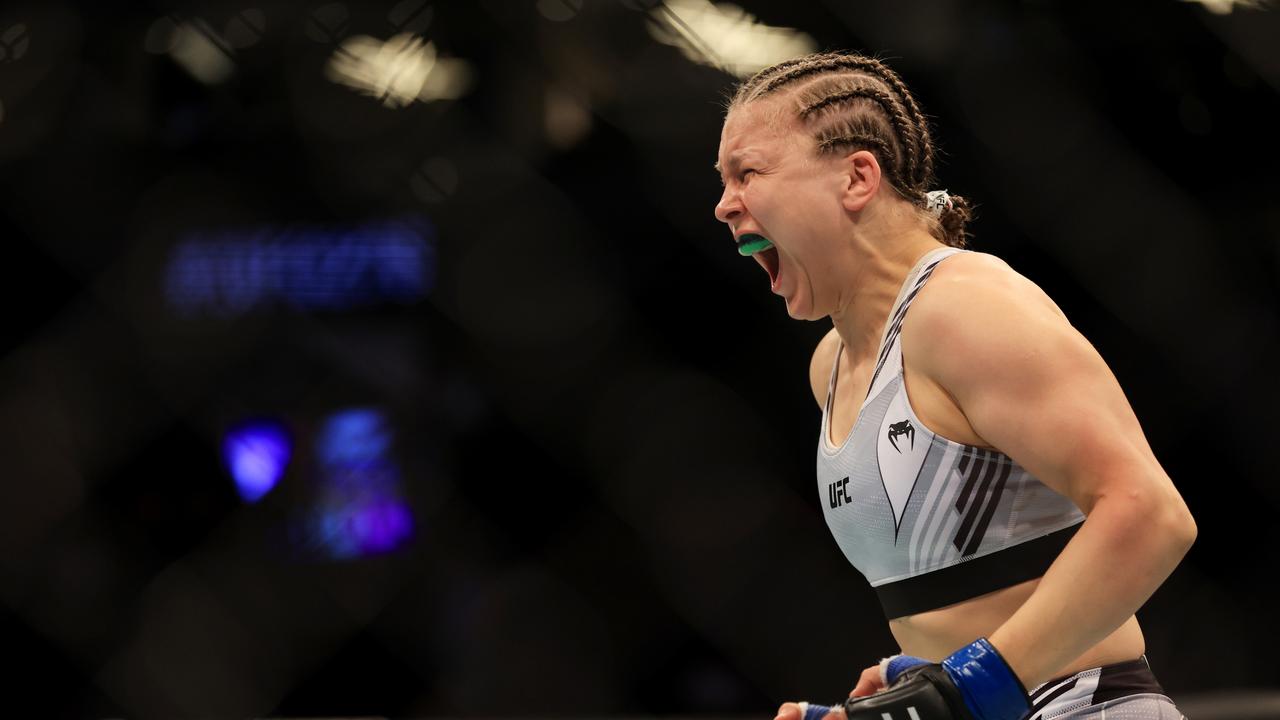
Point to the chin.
(800, 305)
(811, 316)
(802, 309)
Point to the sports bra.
(928, 521)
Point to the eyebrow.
(734, 158)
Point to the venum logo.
(897, 430)
(899, 457)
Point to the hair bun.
(954, 216)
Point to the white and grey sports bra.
(929, 521)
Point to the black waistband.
(971, 578)
(1122, 679)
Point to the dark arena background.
(386, 359)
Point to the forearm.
(1126, 548)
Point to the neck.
(861, 320)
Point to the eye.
(742, 175)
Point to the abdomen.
(937, 633)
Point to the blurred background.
(386, 358)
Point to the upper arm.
(1029, 383)
(820, 366)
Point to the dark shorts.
(1126, 689)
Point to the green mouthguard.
(750, 244)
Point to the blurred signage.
(225, 273)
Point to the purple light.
(361, 511)
(380, 527)
(257, 453)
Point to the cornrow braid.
(836, 141)
(854, 140)
(756, 79)
(771, 79)
(920, 124)
(889, 124)
(901, 125)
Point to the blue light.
(360, 510)
(231, 272)
(256, 453)
(353, 437)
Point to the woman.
(978, 462)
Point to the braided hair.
(849, 102)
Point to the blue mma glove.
(973, 683)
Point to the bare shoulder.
(977, 318)
(1026, 381)
(974, 281)
(820, 366)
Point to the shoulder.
(974, 289)
(1026, 380)
(820, 366)
(980, 330)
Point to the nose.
(730, 206)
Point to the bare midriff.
(936, 634)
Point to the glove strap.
(892, 667)
(810, 711)
(989, 686)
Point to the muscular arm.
(1032, 386)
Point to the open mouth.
(768, 260)
(760, 248)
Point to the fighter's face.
(776, 186)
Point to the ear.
(862, 179)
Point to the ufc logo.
(838, 494)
